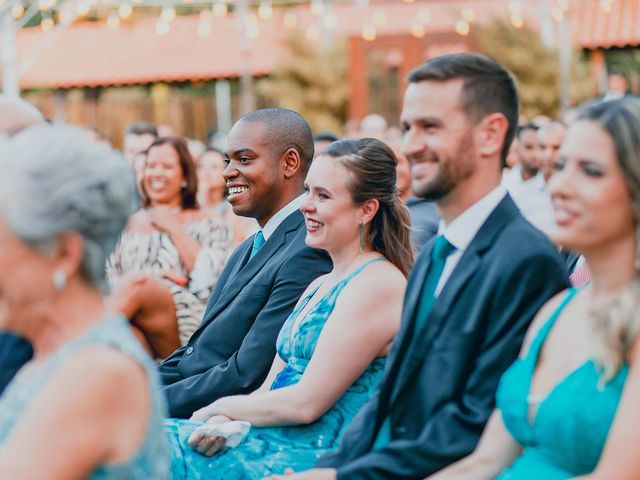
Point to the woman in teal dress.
(332, 347)
(88, 404)
(567, 408)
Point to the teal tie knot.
(441, 248)
(258, 242)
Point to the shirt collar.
(275, 221)
(464, 227)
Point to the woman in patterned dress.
(171, 254)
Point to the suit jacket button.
(189, 350)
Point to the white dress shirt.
(464, 228)
(533, 200)
(275, 221)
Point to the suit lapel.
(246, 268)
(462, 273)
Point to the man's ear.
(69, 253)
(291, 162)
(490, 134)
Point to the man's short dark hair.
(488, 87)
(523, 128)
(285, 129)
(142, 128)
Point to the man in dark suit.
(15, 115)
(472, 292)
(269, 153)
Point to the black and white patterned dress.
(155, 254)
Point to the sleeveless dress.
(152, 460)
(569, 429)
(271, 450)
(154, 253)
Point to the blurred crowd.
(453, 299)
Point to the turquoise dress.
(271, 450)
(571, 424)
(152, 460)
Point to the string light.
(515, 14)
(220, 8)
(125, 10)
(113, 21)
(265, 10)
(318, 8)
(46, 5)
(462, 27)
(47, 24)
(369, 33)
(168, 14)
(17, 11)
(606, 5)
(418, 30)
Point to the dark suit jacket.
(233, 349)
(443, 394)
(425, 220)
(14, 353)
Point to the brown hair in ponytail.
(371, 165)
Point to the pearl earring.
(59, 280)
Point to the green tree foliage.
(311, 81)
(535, 66)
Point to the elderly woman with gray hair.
(87, 405)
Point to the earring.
(361, 238)
(183, 184)
(59, 280)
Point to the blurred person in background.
(171, 253)
(617, 86)
(567, 408)
(15, 115)
(526, 184)
(424, 213)
(88, 405)
(373, 125)
(137, 139)
(212, 194)
(550, 138)
(323, 140)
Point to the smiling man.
(269, 153)
(472, 292)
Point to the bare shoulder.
(542, 316)
(379, 284)
(139, 222)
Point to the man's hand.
(315, 474)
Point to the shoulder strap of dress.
(543, 332)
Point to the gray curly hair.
(55, 179)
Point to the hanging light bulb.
(17, 11)
(369, 33)
(125, 10)
(47, 24)
(317, 8)
(113, 21)
(462, 27)
(418, 29)
(468, 15)
(168, 14)
(516, 20)
(220, 8)
(46, 5)
(265, 10)
(251, 27)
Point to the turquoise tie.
(258, 242)
(441, 250)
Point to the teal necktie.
(258, 242)
(441, 250)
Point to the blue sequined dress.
(268, 451)
(565, 437)
(152, 460)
